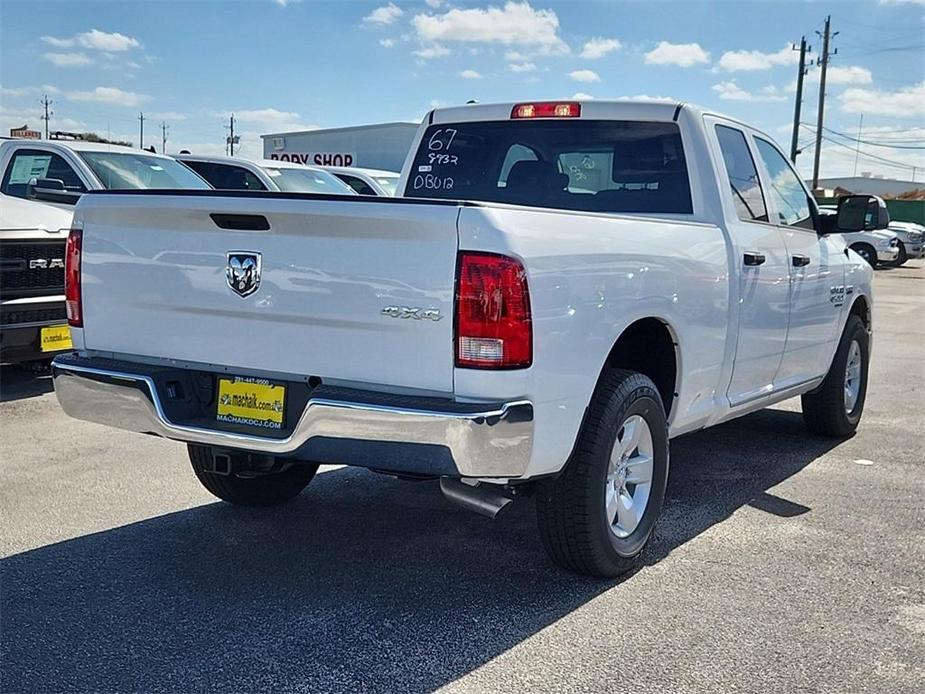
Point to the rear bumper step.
(455, 439)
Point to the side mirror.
(861, 213)
(51, 190)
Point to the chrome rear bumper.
(484, 440)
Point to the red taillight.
(494, 329)
(547, 109)
(72, 278)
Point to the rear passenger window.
(791, 201)
(743, 176)
(31, 164)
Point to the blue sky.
(291, 64)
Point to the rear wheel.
(835, 407)
(597, 516)
(278, 483)
(867, 252)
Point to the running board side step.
(481, 499)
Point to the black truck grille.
(33, 315)
(31, 268)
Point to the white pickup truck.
(565, 287)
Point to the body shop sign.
(316, 158)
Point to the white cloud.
(731, 91)
(517, 23)
(386, 43)
(110, 95)
(842, 74)
(470, 75)
(735, 61)
(582, 96)
(646, 97)
(599, 47)
(385, 15)
(680, 54)
(68, 59)
(584, 76)
(28, 91)
(286, 3)
(902, 2)
(167, 115)
(907, 102)
(521, 67)
(434, 3)
(433, 51)
(96, 40)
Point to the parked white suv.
(235, 173)
(565, 287)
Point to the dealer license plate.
(252, 402)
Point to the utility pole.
(231, 140)
(823, 62)
(141, 131)
(46, 102)
(804, 49)
(857, 152)
(164, 130)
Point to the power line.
(891, 162)
(888, 145)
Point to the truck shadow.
(363, 583)
(18, 383)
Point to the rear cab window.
(592, 166)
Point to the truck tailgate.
(154, 284)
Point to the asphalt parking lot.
(783, 563)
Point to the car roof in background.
(84, 146)
(361, 170)
(262, 163)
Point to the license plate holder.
(252, 402)
(55, 338)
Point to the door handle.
(752, 258)
(800, 260)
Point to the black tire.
(262, 490)
(574, 527)
(824, 409)
(903, 256)
(867, 252)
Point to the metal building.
(378, 146)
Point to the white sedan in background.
(235, 173)
(367, 181)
